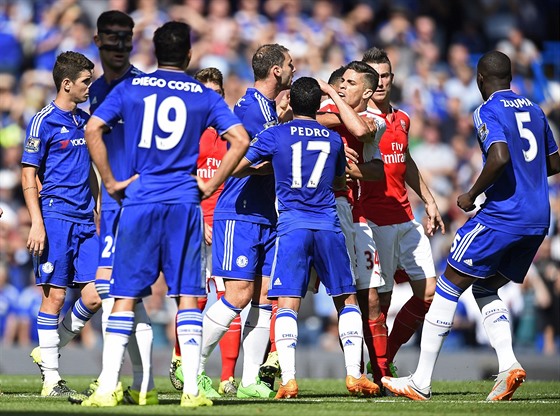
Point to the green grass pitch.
(20, 396)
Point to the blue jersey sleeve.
(262, 147)
(220, 116)
(488, 127)
(111, 109)
(36, 142)
(256, 117)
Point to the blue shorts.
(70, 254)
(481, 252)
(242, 250)
(109, 223)
(154, 238)
(298, 250)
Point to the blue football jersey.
(518, 202)
(164, 115)
(114, 139)
(306, 158)
(55, 143)
(251, 198)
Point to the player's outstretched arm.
(238, 140)
(414, 179)
(355, 124)
(369, 171)
(37, 233)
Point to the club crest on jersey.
(32, 144)
(242, 261)
(482, 132)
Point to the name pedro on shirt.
(162, 83)
(308, 131)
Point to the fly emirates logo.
(208, 171)
(397, 154)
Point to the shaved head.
(496, 65)
(493, 73)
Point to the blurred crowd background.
(434, 46)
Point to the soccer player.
(499, 243)
(356, 86)
(212, 150)
(307, 159)
(62, 238)
(114, 40)
(160, 226)
(400, 239)
(244, 229)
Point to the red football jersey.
(386, 202)
(211, 151)
(366, 152)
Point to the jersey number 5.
(324, 148)
(160, 115)
(525, 133)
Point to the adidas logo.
(292, 345)
(502, 318)
(277, 282)
(444, 334)
(191, 341)
(348, 343)
(64, 130)
(468, 262)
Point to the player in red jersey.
(212, 149)
(400, 239)
(355, 89)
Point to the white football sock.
(437, 325)
(256, 336)
(73, 322)
(49, 340)
(351, 335)
(496, 320)
(140, 350)
(189, 335)
(216, 322)
(117, 335)
(286, 336)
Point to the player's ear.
(277, 71)
(97, 41)
(367, 93)
(66, 84)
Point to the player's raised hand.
(351, 154)
(118, 188)
(326, 87)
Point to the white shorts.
(218, 281)
(361, 247)
(368, 269)
(405, 246)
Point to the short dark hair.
(172, 43)
(114, 18)
(336, 76)
(70, 65)
(266, 57)
(305, 97)
(377, 56)
(495, 64)
(371, 76)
